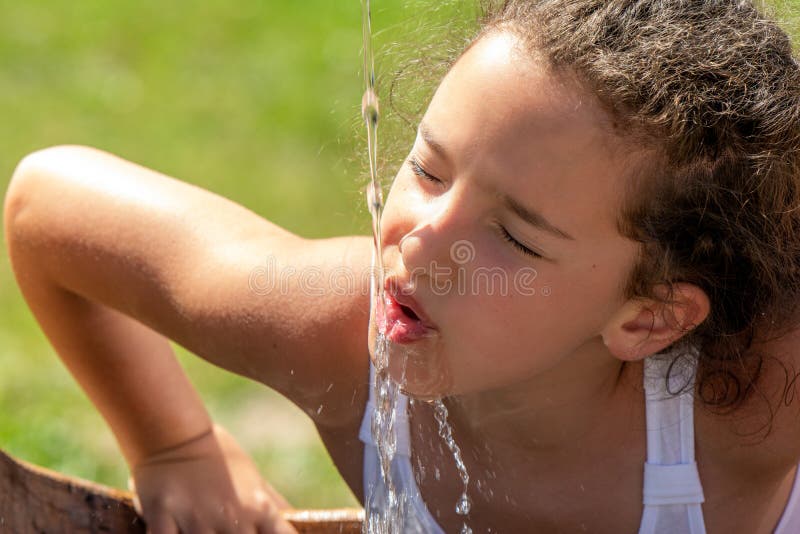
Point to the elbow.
(29, 174)
(16, 196)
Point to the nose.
(425, 245)
(424, 250)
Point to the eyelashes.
(419, 171)
(516, 244)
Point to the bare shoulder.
(213, 276)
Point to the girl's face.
(499, 231)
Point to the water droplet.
(370, 107)
(463, 505)
(465, 529)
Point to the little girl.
(596, 232)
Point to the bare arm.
(114, 258)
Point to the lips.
(404, 320)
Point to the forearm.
(128, 370)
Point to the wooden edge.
(340, 520)
(34, 498)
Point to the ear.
(642, 327)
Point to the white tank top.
(672, 493)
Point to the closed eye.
(516, 244)
(417, 169)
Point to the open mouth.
(401, 324)
(409, 312)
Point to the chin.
(419, 370)
(424, 379)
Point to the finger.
(269, 499)
(137, 505)
(274, 525)
(193, 524)
(236, 528)
(278, 500)
(271, 521)
(231, 522)
(162, 524)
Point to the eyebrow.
(535, 218)
(531, 216)
(430, 140)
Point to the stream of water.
(385, 508)
(446, 433)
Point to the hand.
(207, 485)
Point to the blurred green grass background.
(257, 101)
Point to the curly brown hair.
(711, 91)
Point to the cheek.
(501, 314)
(519, 317)
(506, 283)
(511, 341)
(596, 290)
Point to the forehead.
(517, 128)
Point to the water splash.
(463, 505)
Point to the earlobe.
(642, 327)
(628, 335)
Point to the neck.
(552, 414)
(553, 430)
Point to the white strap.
(673, 519)
(672, 493)
(672, 484)
(670, 418)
